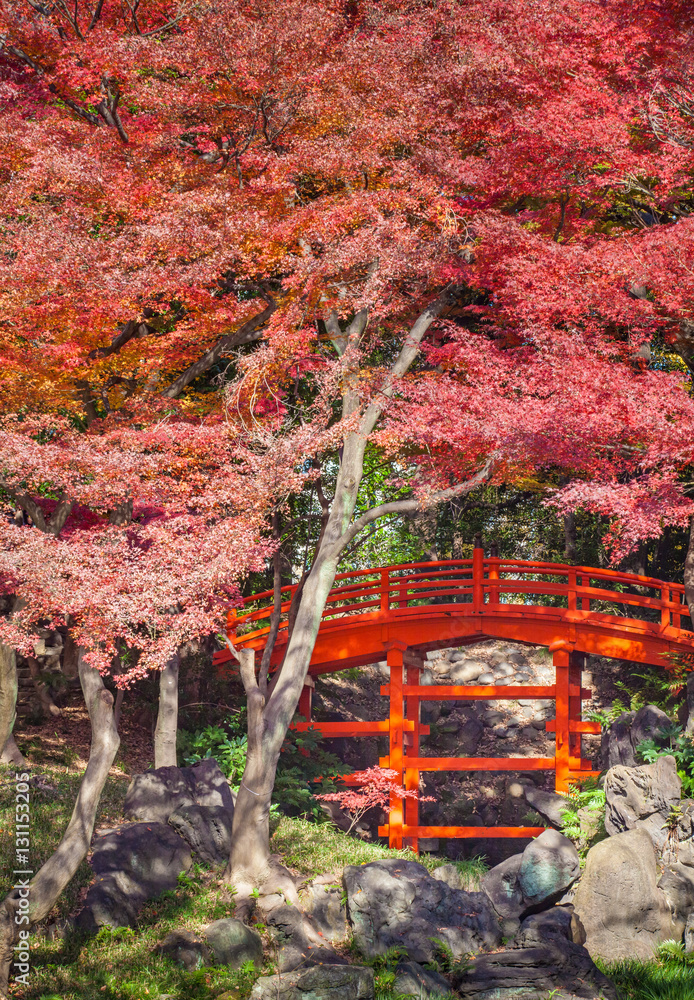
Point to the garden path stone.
(398, 903)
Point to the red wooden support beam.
(477, 580)
(467, 831)
(477, 763)
(444, 692)
(576, 726)
(358, 728)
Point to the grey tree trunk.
(10, 753)
(52, 878)
(167, 717)
(271, 706)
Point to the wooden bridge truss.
(401, 612)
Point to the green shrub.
(305, 768)
(588, 829)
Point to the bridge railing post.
(477, 579)
(665, 611)
(231, 624)
(493, 581)
(571, 597)
(385, 590)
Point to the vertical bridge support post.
(395, 660)
(413, 664)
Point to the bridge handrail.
(392, 588)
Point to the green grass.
(661, 979)
(121, 964)
(50, 814)
(315, 849)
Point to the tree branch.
(246, 334)
(412, 504)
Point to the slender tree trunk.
(570, 547)
(8, 693)
(167, 716)
(52, 878)
(249, 863)
(47, 703)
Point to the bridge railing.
(489, 585)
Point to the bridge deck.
(398, 613)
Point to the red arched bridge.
(399, 613)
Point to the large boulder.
(297, 939)
(677, 882)
(620, 741)
(133, 863)
(206, 829)
(394, 903)
(559, 923)
(501, 886)
(155, 795)
(624, 913)
(535, 879)
(549, 865)
(559, 969)
(320, 982)
(234, 944)
(642, 797)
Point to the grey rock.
(485, 678)
(621, 740)
(324, 982)
(557, 923)
(677, 882)
(469, 736)
(642, 797)
(501, 732)
(232, 943)
(616, 746)
(451, 875)
(184, 948)
(505, 669)
(155, 795)
(538, 724)
(322, 902)
(549, 805)
(549, 865)
(559, 969)
(624, 913)
(501, 886)
(528, 733)
(207, 829)
(492, 718)
(467, 670)
(689, 934)
(298, 939)
(133, 863)
(397, 903)
(411, 980)
(647, 725)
